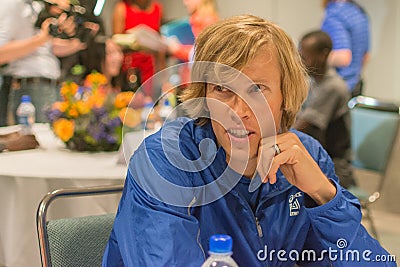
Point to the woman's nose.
(239, 108)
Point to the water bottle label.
(23, 120)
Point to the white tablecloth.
(26, 176)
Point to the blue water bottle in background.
(26, 114)
(220, 252)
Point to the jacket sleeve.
(336, 230)
(148, 232)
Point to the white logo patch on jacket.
(294, 205)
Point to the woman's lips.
(239, 135)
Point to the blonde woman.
(195, 177)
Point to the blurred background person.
(347, 24)
(29, 52)
(139, 66)
(102, 55)
(202, 14)
(325, 114)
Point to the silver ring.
(277, 149)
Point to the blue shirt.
(348, 27)
(149, 232)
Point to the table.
(26, 176)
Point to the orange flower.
(95, 78)
(68, 89)
(130, 117)
(61, 106)
(73, 111)
(122, 99)
(64, 129)
(82, 107)
(96, 100)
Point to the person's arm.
(148, 232)
(20, 48)
(178, 50)
(298, 167)
(341, 54)
(118, 21)
(17, 49)
(340, 58)
(295, 162)
(22, 142)
(336, 227)
(319, 110)
(66, 47)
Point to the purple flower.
(53, 114)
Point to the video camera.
(80, 17)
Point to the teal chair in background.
(78, 241)
(375, 126)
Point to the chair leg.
(368, 217)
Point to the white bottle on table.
(166, 111)
(220, 252)
(26, 114)
(148, 116)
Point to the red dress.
(143, 61)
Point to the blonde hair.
(235, 42)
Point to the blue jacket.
(285, 227)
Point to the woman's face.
(239, 125)
(191, 5)
(114, 58)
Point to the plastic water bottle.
(26, 114)
(220, 252)
(147, 115)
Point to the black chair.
(78, 241)
(375, 125)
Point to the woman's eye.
(220, 88)
(257, 88)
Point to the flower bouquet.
(89, 117)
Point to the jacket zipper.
(256, 220)
(198, 232)
(259, 229)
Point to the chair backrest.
(76, 241)
(374, 129)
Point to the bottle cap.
(25, 98)
(220, 244)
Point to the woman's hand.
(297, 166)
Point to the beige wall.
(298, 16)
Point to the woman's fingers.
(284, 160)
(266, 155)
